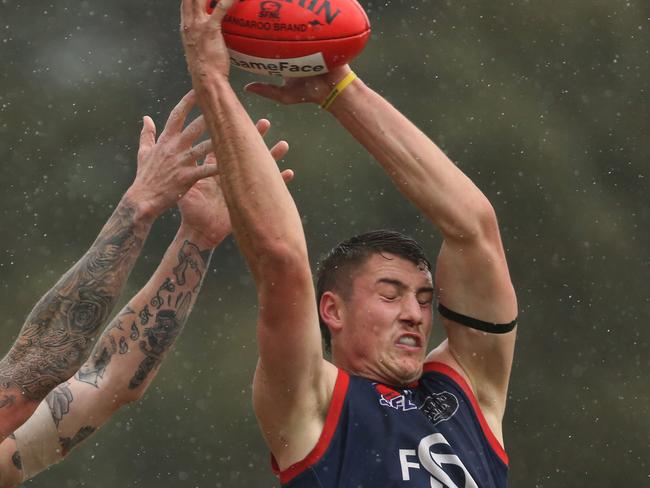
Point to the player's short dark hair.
(336, 268)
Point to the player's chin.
(409, 369)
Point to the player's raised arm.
(293, 383)
(131, 349)
(59, 331)
(129, 352)
(472, 276)
(123, 363)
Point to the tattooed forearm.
(173, 301)
(60, 329)
(190, 257)
(93, 370)
(69, 443)
(157, 340)
(158, 300)
(59, 401)
(184, 304)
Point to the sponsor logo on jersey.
(389, 397)
(434, 456)
(440, 406)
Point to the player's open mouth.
(411, 341)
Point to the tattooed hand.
(167, 167)
(203, 207)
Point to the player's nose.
(411, 312)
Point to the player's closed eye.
(389, 296)
(388, 291)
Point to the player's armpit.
(473, 280)
(293, 424)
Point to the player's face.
(387, 320)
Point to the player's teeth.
(407, 341)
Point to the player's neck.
(373, 372)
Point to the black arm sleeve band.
(475, 323)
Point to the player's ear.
(332, 310)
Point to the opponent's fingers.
(287, 175)
(203, 171)
(200, 151)
(272, 92)
(193, 130)
(263, 126)
(280, 150)
(147, 135)
(179, 113)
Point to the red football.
(294, 38)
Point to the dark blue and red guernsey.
(430, 436)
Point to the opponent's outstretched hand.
(202, 37)
(312, 89)
(203, 207)
(167, 167)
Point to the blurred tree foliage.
(544, 104)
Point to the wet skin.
(382, 329)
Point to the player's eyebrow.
(391, 281)
(402, 286)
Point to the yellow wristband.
(340, 86)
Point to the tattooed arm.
(128, 353)
(58, 333)
(130, 350)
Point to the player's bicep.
(474, 283)
(473, 279)
(288, 333)
(293, 382)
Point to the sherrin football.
(293, 38)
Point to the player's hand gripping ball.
(293, 38)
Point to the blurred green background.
(544, 104)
